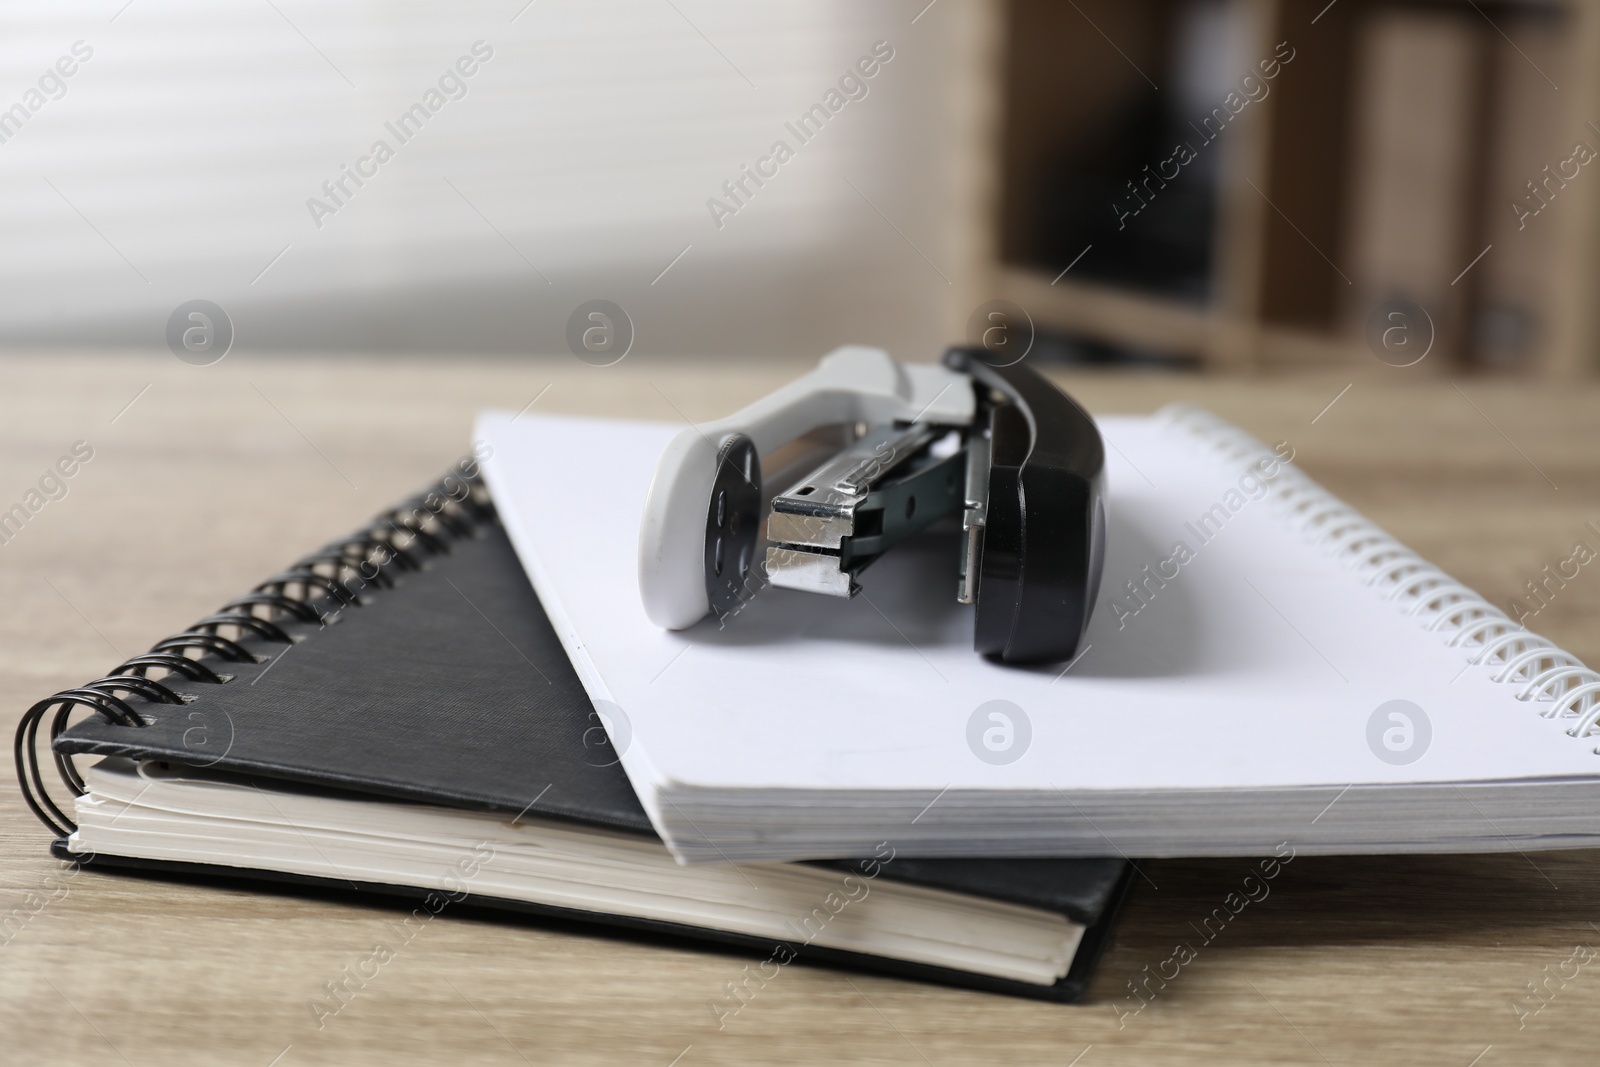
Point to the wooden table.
(204, 480)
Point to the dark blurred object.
(1110, 188)
(1163, 246)
(1061, 349)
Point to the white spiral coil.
(1553, 679)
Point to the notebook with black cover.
(394, 714)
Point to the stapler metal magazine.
(870, 452)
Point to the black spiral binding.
(396, 540)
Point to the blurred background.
(1195, 184)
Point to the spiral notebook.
(1263, 666)
(393, 715)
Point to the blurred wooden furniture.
(1416, 150)
(206, 479)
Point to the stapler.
(901, 447)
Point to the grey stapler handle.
(708, 461)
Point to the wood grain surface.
(204, 480)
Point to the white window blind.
(431, 175)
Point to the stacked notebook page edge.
(157, 812)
